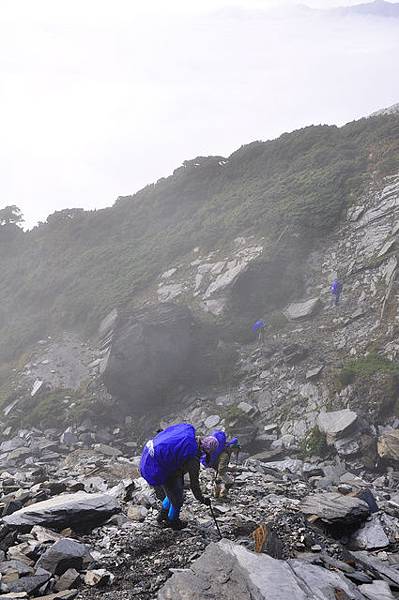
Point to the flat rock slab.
(227, 570)
(68, 510)
(335, 508)
(337, 422)
(302, 310)
(378, 590)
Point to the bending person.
(219, 461)
(165, 460)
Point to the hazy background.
(100, 98)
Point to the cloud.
(96, 100)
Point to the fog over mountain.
(99, 101)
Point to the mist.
(99, 101)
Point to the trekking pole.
(216, 523)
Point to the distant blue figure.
(259, 328)
(336, 291)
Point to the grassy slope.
(68, 272)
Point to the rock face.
(227, 570)
(72, 510)
(155, 351)
(335, 508)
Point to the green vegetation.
(314, 443)
(366, 366)
(69, 272)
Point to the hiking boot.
(162, 516)
(177, 524)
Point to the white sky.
(99, 98)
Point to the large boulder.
(227, 570)
(302, 310)
(63, 555)
(337, 423)
(156, 350)
(335, 508)
(68, 510)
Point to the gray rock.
(67, 580)
(334, 424)
(380, 569)
(15, 565)
(378, 590)
(69, 438)
(371, 535)
(347, 446)
(29, 584)
(247, 409)
(212, 421)
(227, 570)
(63, 555)
(107, 450)
(13, 444)
(68, 510)
(335, 508)
(302, 310)
(314, 372)
(292, 465)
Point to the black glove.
(206, 501)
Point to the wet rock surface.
(321, 531)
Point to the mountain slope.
(69, 272)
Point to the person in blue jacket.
(259, 329)
(336, 291)
(165, 460)
(219, 460)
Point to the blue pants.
(172, 496)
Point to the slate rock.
(16, 565)
(63, 555)
(302, 310)
(335, 423)
(335, 508)
(67, 595)
(68, 510)
(227, 570)
(67, 581)
(370, 536)
(376, 566)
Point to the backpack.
(167, 452)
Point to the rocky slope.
(315, 407)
